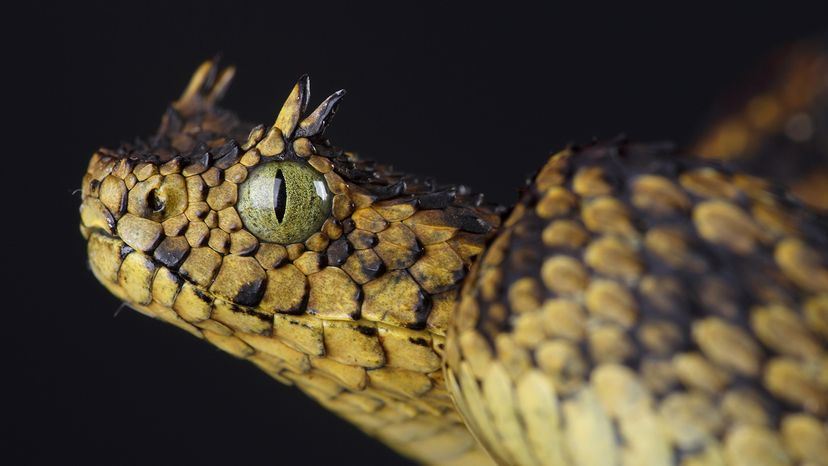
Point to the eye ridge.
(279, 195)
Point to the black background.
(475, 94)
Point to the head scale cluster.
(194, 124)
(394, 248)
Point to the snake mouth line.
(635, 304)
(96, 230)
(151, 264)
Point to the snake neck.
(354, 311)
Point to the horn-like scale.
(636, 307)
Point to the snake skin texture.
(640, 308)
(355, 316)
(777, 125)
(637, 306)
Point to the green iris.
(284, 202)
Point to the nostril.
(154, 201)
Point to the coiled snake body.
(635, 307)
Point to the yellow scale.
(567, 341)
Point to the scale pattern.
(636, 306)
(776, 125)
(642, 308)
(355, 316)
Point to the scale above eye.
(284, 202)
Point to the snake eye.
(284, 202)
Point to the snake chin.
(634, 306)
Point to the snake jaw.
(175, 197)
(628, 289)
(635, 307)
(360, 303)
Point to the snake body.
(635, 307)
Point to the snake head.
(220, 227)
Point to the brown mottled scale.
(776, 124)
(355, 315)
(635, 307)
(639, 307)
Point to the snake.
(637, 305)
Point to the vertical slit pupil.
(279, 195)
